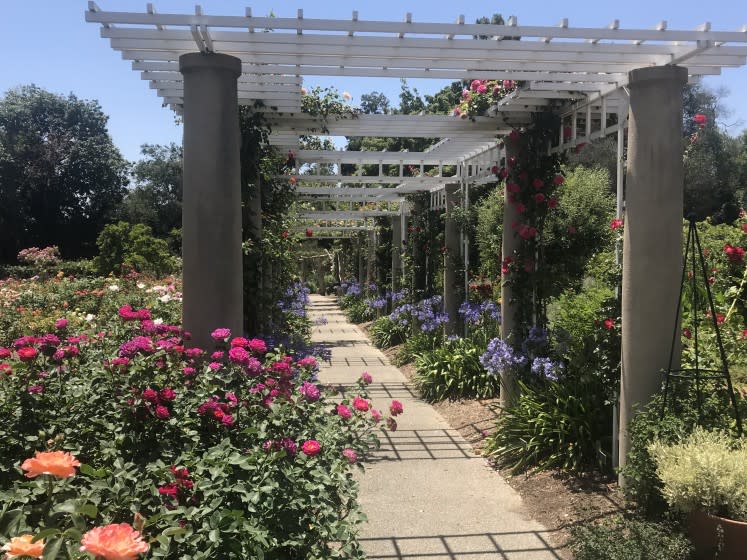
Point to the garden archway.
(203, 65)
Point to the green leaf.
(52, 549)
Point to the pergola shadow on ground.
(203, 66)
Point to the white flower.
(141, 285)
(114, 288)
(165, 298)
(90, 317)
(158, 321)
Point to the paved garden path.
(426, 495)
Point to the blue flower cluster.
(501, 356)
(394, 297)
(426, 313)
(351, 288)
(547, 368)
(478, 313)
(295, 299)
(376, 303)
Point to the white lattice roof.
(577, 70)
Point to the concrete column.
(396, 252)
(418, 254)
(371, 257)
(509, 308)
(451, 258)
(321, 265)
(652, 244)
(211, 206)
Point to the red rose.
(27, 354)
(609, 323)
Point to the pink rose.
(344, 412)
(360, 404)
(396, 408)
(350, 455)
(366, 378)
(311, 447)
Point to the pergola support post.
(509, 311)
(451, 258)
(211, 211)
(396, 252)
(652, 245)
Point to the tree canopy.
(61, 177)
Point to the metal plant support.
(694, 252)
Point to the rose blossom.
(311, 447)
(220, 335)
(22, 547)
(310, 391)
(350, 455)
(114, 542)
(257, 346)
(57, 463)
(162, 412)
(376, 415)
(60, 324)
(27, 353)
(4, 353)
(344, 412)
(366, 378)
(360, 404)
(396, 408)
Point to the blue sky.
(48, 43)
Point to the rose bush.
(234, 451)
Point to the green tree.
(125, 247)
(61, 177)
(710, 160)
(156, 199)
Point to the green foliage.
(385, 333)
(706, 471)
(710, 160)
(248, 497)
(156, 199)
(629, 538)
(358, 311)
(415, 345)
(653, 423)
(563, 425)
(453, 371)
(489, 233)
(61, 177)
(125, 247)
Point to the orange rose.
(114, 542)
(23, 547)
(57, 463)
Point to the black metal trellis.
(694, 252)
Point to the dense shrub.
(629, 538)
(453, 371)
(234, 454)
(385, 333)
(359, 311)
(563, 425)
(126, 247)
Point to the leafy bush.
(629, 538)
(207, 450)
(642, 485)
(126, 247)
(453, 371)
(563, 425)
(707, 471)
(417, 344)
(385, 333)
(358, 311)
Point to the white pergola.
(577, 71)
(203, 66)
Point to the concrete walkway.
(426, 495)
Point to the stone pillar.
(371, 257)
(451, 258)
(509, 311)
(418, 253)
(396, 252)
(211, 203)
(652, 244)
